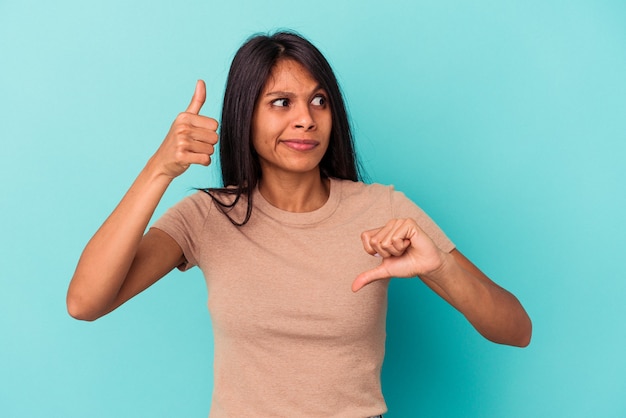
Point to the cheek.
(262, 138)
(328, 125)
(326, 118)
(267, 132)
(258, 135)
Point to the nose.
(304, 119)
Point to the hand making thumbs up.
(190, 140)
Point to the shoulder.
(199, 202)
(359, 190)
(384, 200)
(376, 194)
(358, 199)
(190, 211)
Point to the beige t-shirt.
(291, 338)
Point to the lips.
(300, 144)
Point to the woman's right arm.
(120, 261)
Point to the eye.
(280, 102)
(318, 101)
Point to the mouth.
(300, 144)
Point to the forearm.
(111, 269)
(107, 258)
(493, 311)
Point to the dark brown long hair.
(249, 71)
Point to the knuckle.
(181, 144)
(182, 130)
(179, 156)
(183, 117)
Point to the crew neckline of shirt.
(301, 218)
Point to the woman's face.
(292, 121)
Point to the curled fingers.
(389, 241)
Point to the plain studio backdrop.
(505, 121)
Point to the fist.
(405, 249)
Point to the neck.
(295, 193)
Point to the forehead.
(290, 75)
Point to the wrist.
(443, 270)
(155, 172)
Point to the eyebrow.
(288, 94)
(280, 94)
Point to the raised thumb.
(199, 96)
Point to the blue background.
(505, 121)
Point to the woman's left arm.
(407, 251)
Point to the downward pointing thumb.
(369, 276)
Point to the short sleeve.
(184, 222)
(403, 207)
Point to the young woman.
(296, 251)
